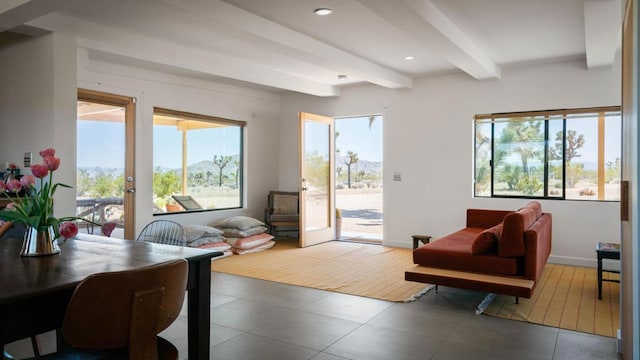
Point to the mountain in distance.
(369, 167)
(207, 165)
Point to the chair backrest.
(163, 232)
(126, 308)
(284, 202)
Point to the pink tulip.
(28, 181)
(68, 229)
(10, 206)
(39, 170)
(3, 186)
(107, 228)
(52, 162)
(14, 186)
(48, 153)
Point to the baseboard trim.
(593, 263)
(574, 261)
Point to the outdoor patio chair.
(187, 202)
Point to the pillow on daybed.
(486, 241)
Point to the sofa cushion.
(511, 244)
(535, 205)
(454, 252)
(487, 240)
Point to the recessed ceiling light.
(342, 76)
(323, 11)
(408, 57)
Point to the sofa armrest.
(537, 242)
(483, 218)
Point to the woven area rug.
(366, 270)
(567, 297)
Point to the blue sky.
(355, 135)
(102, 144)
(203, 144)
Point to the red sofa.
(498, 251)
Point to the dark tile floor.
(262, 320)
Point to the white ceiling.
(283, 45)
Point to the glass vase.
(39, 242)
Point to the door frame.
(128, 103)
(316, 236)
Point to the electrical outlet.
(27, 159)
(397, 176)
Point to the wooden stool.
(606, 251)
(422, 238)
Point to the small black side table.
(606, 251)
(422, 238)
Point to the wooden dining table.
(34, 291)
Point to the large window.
(197, 162)
(564, 154)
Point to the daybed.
(501, 252)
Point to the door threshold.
(361, 240)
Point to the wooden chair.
(282, 211)
(163, 232)
(118, 315)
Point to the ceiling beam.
(293, 43)
(14, 13)
(602, 31)
(422, 20)
(153, 50)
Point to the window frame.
(213, 119)
(545, 116)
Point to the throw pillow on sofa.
(511, 243)
(487, 241)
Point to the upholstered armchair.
(282, 212)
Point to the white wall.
(259, 109)
(37, 107)
(427, 134)
(38, 92)
(428, 137)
